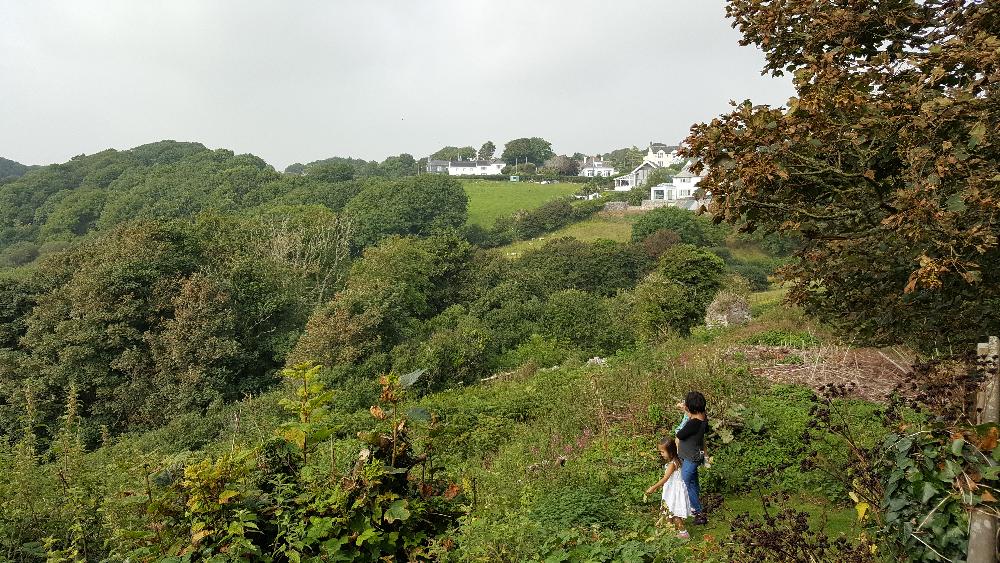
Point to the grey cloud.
(297, 81)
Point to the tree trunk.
(983, 527)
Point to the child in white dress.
(675, 503)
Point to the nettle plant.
(914, 489)
(288, 501)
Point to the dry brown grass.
(871, 373)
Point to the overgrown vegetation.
(162, 308)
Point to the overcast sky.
(299, 81)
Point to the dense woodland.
(202, 358)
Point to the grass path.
(489, 199)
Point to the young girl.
(675, 503)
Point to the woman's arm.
(690, 429)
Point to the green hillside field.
(600, 226)
(489, 199)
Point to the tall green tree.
(454, 153)
(332, 171)
(534, 150)
(487, 151)
(885, 162)
(417, 205)
(624, 159)
(398, 166)
(562, 165)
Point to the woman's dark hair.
(670, 446)
(695, 402)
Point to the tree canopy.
(561, 165)
(534, 150)
(487, 151)
(624, 159)
(885, 162)
(418, 205)
(12, 169)
(455, 153)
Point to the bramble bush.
(690, 227)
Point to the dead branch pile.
(872, 373)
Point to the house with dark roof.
(593, 167)
(635, 178)
(475, 167)
(662, 155)
(437, 166)
(465, 167)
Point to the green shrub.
(692, 228)
(698, 270)
(644, 544)
(756, 272)
(791, 339)
(603, 267)
(577, 506)
(537, 349)
(18, 254)
(581, 318)
(457, 351)
(759, 445)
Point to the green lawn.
(489, 199)
(602, 225)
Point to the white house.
(437, 166)
(475, 167)
(593, 167)
(636, 177)
(662, 155)
(681, 187)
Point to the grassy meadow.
(489, 199)
(601, 226)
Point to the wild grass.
(535, 444)
(601, 226)
(489, 199)
(574, 445)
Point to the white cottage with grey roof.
(680, 191)
(593, 167)
(662, 155)
(475, 167)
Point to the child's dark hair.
(671, 447)
(695, 402)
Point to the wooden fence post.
(983, 526)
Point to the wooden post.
(983, 526)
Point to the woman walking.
(691, 449)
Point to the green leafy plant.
(790, 339)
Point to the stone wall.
(655, 203)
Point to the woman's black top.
(692, 440)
